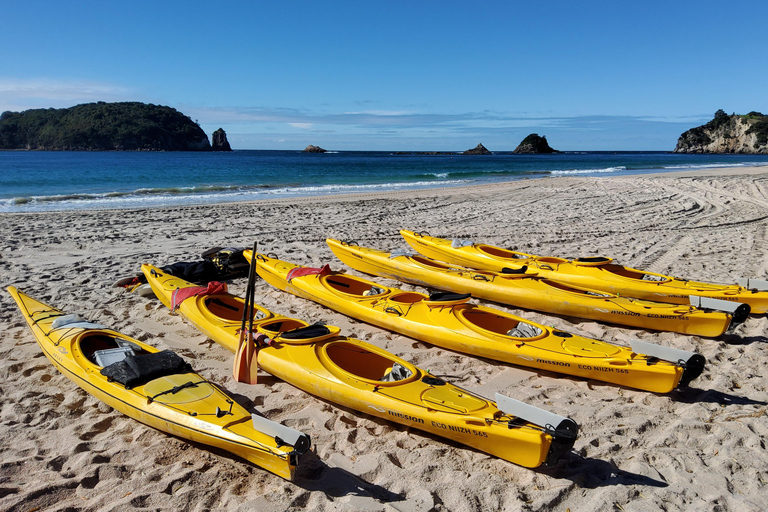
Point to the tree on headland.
(727, 134)
(124, 126)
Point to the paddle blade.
(245, 367)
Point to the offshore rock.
(533, 144)
(727, 134)
(477, 150)
(219, 141)
(313, 149)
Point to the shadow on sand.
(693, 395)
(593, 473)
(315, 475)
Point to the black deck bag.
(140, 369)
(199, 272)
(229, 260)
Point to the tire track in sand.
(663, 263)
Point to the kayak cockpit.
(429, 263)
(348, 285)
(636, 275)
(296, 332)
(489, 323)
(498, 252)
(582, 292)
(280, 325)
(407, 298)
(367, 363)
(103, 348)
(230, 308)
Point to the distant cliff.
(127, 126)
(727, 134)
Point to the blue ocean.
(55, 181)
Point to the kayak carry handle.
(299, 440)
(554, 424)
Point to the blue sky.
(430, 75)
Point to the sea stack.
(534, 144)
(220, 142)
(477, 150)
(313, 149)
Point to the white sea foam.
(146, 198)
(712, 166)
(588, 171)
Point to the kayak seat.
(401, 252)
(374, 290)
(140, 369)
(308, 332)
(109, 356)
(448, 296)
(395, 373)
(593, 259)
(354, 286)
(105, 347)
(524, 330)
(521, 270)
(458, 244)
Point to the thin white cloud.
(23, 94)
(381, 113)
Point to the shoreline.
(697, 448)
(435, 191)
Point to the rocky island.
(727, 134)
(219, 141)
(477, 150)
(124, 126)
(534, 144)
(313, 149)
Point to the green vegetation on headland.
(727, 134)
(126, 126)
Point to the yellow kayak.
(597, 273)
(527, 290)
(448, 320)
(157, 388)
(361, 376)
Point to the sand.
(701, 448)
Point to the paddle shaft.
(244, 368)
(247, 305)
(251, 300)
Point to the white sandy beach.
(701, 448)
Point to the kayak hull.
(477, 330)
(347, 372)
(594, 273)
(189, 412)
(528, 290)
